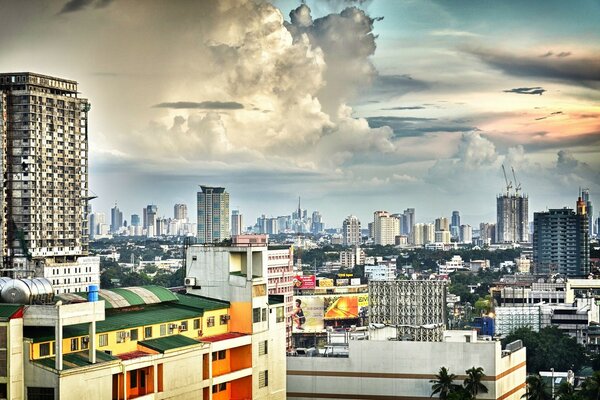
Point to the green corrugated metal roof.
(76, 360)
(7, 311)
(200, 302)
(119, 320)
(167, 343)
(126, 297)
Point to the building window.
(85, 342)
(147, 332)
(256, 315)
(74, 344)
(133, 334)
(44, 349)
(184, 326)
(197, 323)
(263, 379)
(263, 348)
(222, 354)
(279, 314)
(103, 340)
(224, 318)
(133, 379)
(219, 388)
(210, 322)
(264, 314)
(163, 330)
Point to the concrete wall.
(402, 370)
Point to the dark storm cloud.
(78, 5)
(549, 115)
(526, 90)
(396, 85)
(405, 108)
(559, 55)
(414, 126)
(582, 71)
(203, 105)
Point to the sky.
(355, 106)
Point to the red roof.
(133, 354)
(223, 336)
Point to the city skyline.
(422, 109)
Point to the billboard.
(354, 281)
(305, 282)
(312, 312)
(325, 282)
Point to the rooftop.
(76, 360)
(125, 297)
(167, 343)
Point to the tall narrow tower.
(44, 163)
(213, 214)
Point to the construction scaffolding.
(416, 308)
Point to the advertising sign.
(305, 282)
(342, 282)
(311, 312)
(325, 282)
(354, 281)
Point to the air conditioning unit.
(182, 328)
(190, 281)
(172, 326)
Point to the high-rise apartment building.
(213, 214)
(385, 228)
(44, 165)
(317, 226)
(135, 220)
(512, 225)
(237, 223)
(561, 241)
(180, 212)
(487, 233)
(466, 234)
(423, 234)
(150, 216)
(351, 231)
(441, 224)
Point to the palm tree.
(472, 382)
(566, 391)
(536, 389)
(442, 383)
(590, 389)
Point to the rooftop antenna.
(518, 187)
(508, 183)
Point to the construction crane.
(518, 187)
(508, 183)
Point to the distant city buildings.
(407, 221)
(180, 212)
(213, 214)
(561, 241)
(351, 231)
(455, 225)
(585, 197)
(116, 219)
(150, 219)
(466, 234)
(423, 234)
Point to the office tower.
(385, 228)
(284, 223)
(135, 220)
(237, 223)
(422, 234)
(317, 226)
(561, 241)
(150, 216)
(466, 234)
(487, 233)
(441, 224)
(213, 214)
(116, 219)
(585, 196)
(272, 226)
(407, 221)
(43, 160)
(180, 212)
(455, 224)
(351, 231)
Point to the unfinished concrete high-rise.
(44, 165)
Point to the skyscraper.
(351, 231)
(317, 226)
(561, 242)
(135, 220)
(180, 212)
(585, 196)
(213, 214)
(455, 224)
(466, 234)
(116, 219)
(44, 163)
(150, 219)
(237, 223)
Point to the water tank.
(93, 293)
(3, 281)
(27, 291)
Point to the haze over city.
(383, 105)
